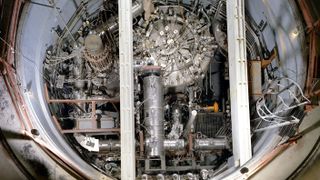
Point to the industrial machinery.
(181, 99)
(182, 102)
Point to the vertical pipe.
(190, 124)
(153, 114)
(238, 81)
(126, 90)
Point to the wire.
(61, 59)
(274, 117)
(51, 2)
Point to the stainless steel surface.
(174, 145)
(153, 115)
(179, 41)
(109, 145)
(49, 47)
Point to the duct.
(153, 112)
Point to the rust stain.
(306, 13)
(269, 157)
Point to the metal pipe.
(78, 72)
(109, 145)
(141, 145)
(137, 9)
(153, 112)
(190, 123)
(211, 143)
(168, 144)
(174, 144)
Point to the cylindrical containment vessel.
(153, 112)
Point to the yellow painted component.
(215, 107)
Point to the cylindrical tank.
(153, 112)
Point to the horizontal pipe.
(211, 143)
(109, 145)
(102, 130)
(174, 144)
(112, 100)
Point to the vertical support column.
(238, 73)
(126, 90)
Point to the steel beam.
(238, 73)
(128, 169)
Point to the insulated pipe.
(168, 144)
(211, 143)
(153, 112)
(109, 145)
(174, 144)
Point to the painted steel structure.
(238, 72)
(126, 90)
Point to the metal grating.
(209, 123)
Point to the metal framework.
(313, 26)
(126, 90)
(238, 81)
